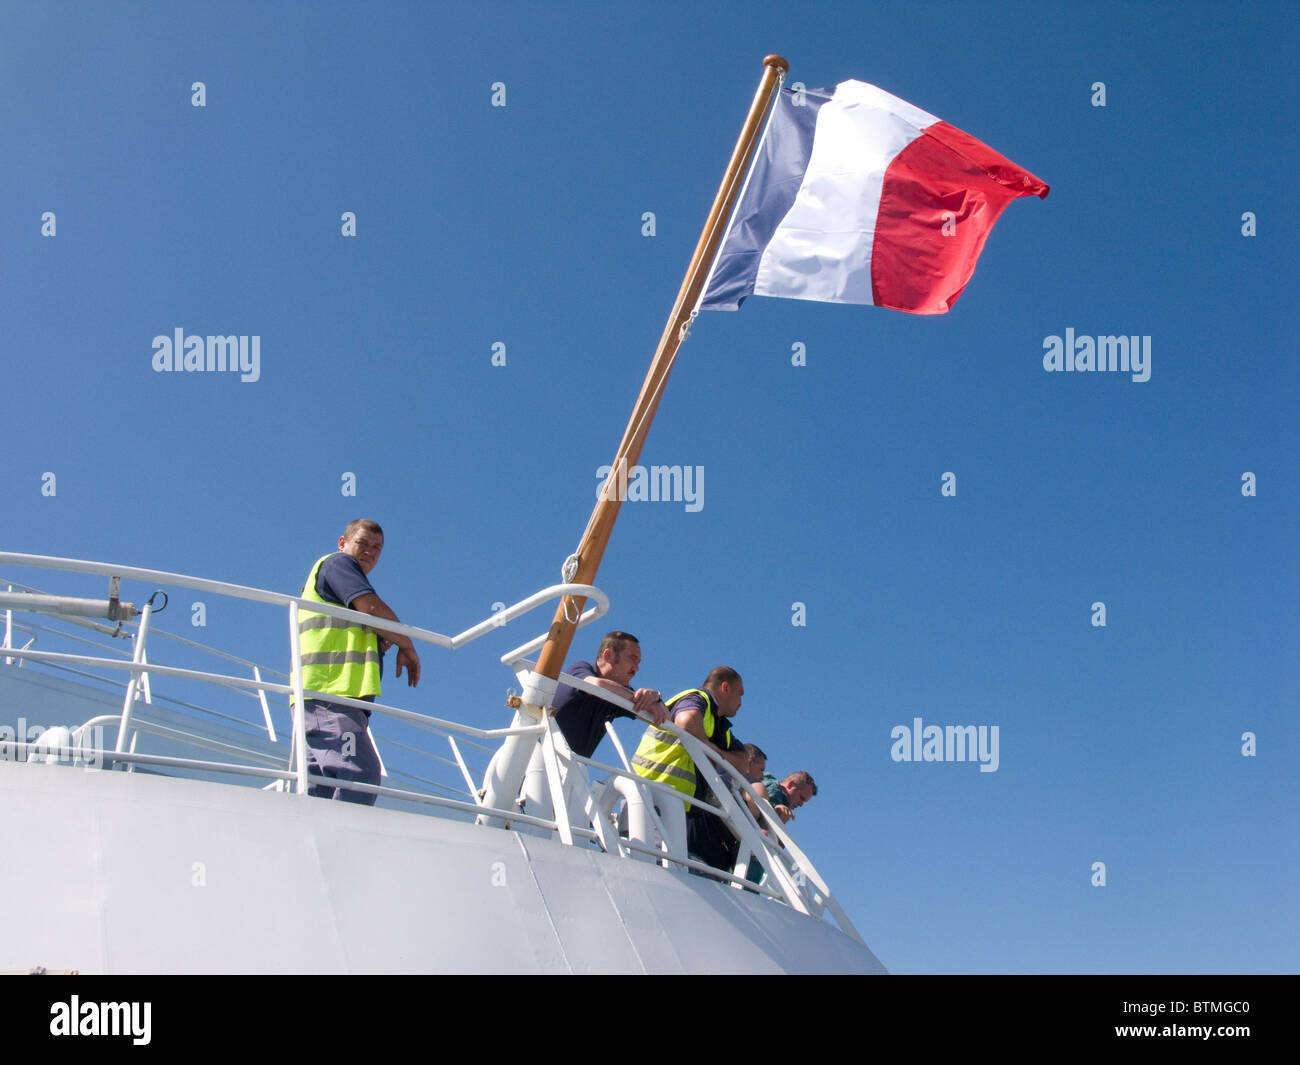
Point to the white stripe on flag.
(860, 131)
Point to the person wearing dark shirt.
(787, 794)
(757, 766)
(582, 715)
(343, 658)
(753, 774)
(705, 713)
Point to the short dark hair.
(617, 642)
(801, 777)
(720, 675)
(755, 751)
(361, 525)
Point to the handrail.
(735, 813)
(109, 630)
(29, 626)
(258, 595)
(565, 772)
(515, 658)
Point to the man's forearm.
(609, 685)
(692, 721)
(376, 607)
(645, 701)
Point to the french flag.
(857, 196)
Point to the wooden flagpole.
(592, 548)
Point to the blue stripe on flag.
(773, 184)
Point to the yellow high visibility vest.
(661, 756)
(338, 657)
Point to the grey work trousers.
(339, 746)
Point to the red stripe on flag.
(940, 198)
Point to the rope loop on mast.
(567, 572)
(570, 569)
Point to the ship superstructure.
(159, 819)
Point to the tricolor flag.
(860, 197)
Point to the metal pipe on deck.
(109, 609)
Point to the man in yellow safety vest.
(341, 657)
(704, 712)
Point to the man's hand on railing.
(406, 653)
(649, 703)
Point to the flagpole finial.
(778, 62)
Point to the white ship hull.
(119, 872)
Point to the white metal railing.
(793, 877)
(124, 630)
(790, 877)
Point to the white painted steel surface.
(129, 873)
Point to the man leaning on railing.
(705, 713)
(785, 796)
(340, 657)
(582, 716)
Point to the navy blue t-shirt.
(722, 738)
(707, 836)
(580, 715)
(341, 580)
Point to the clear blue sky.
(522, 225)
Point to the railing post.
(749, 831)
(137, 658)
(130, 766)
(266, 709)
(9, 630)
(559, 805)
(145, 683)
(299, 709)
